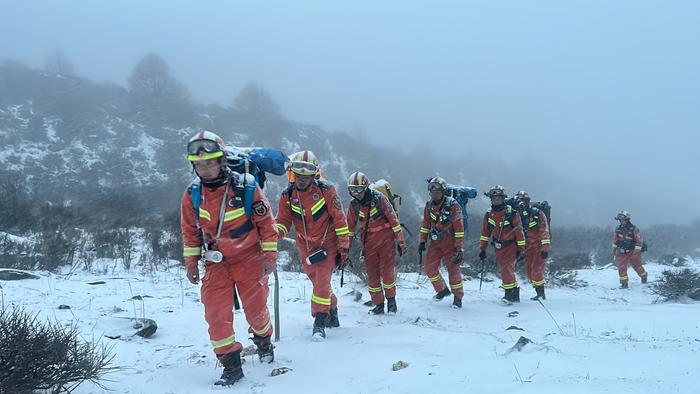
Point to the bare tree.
(254, 99)
(151, 77)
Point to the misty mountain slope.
(77, 136)
(602, 339)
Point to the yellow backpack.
(387, 190)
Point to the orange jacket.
(538, 230)
(444, 219)
(240, 234)
(322, 214)
(381, 214)
(503, 226)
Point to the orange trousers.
(379, 251)
(217, 296)
(534, 266)
(322, 297)
(443, 250)
(506, 257)
(623, 259)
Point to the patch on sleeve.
(259, 208)
(337, 203)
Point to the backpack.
(462, 194)
(256, 162)
(384, 187)
(245, 185)
(546, 208)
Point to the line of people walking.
(228, 225)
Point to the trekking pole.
(342, 276)
(550, 315)
(277, 307)
(481, 274)
(420, 263)
(236, 303)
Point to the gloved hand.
(401, 247)
(270, 262)
(482, 255)
(421, 247)
(343, 258)
(544, 254)
(458, 256)
(193, 274)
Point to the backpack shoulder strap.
(288, 190)
(244, 184)
(323, 184)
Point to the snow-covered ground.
(608, 340)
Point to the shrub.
(677, 284)
(46, 356)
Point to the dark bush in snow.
(46, 356)
(676, 284)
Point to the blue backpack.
(462, 194)
(256, 162)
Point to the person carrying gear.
(238, 250)
(536, 230)
(627, 247)
(442, 222)
(502, 224)
(315, 210)
(381, 238)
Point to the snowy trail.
(611, 340)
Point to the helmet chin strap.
(221, 179)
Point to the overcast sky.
(590, 89)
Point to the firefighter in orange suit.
(536, 229)
(502, 225)
(442, 222)
(627, 248)
(239, 249)
(315, 210)
(380, 235)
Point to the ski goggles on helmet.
(356, 189)
(304, 168)
(621, 216)
(435, 187)
(203, 150)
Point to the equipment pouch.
(316, 257)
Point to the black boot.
(367, 303)
(444, 293)
(391, 305)
(644, 278)
(319, 331)
(266, 351)
(515, 295)
(333, 318)
(624, 285)
(232, 368)
(540, 293)
(457, 303)
(378, 309)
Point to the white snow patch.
(604, 339)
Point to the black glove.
(421, 247)
(458, 256)
(544, 254)
(482, 255)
